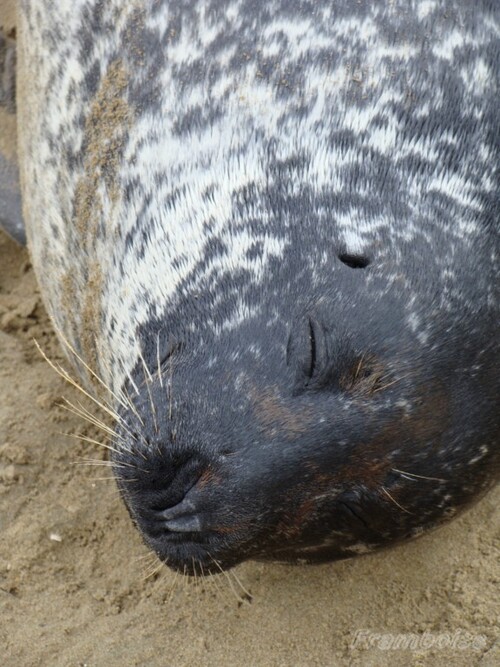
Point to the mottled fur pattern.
(208, 173)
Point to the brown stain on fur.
(371, 461)
(293, 525)
(97, 194)
(208, 477)
(277, 418)
(91, 318)
(106, 131)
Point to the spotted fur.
(206, 174)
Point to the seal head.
(272, 230)
(319, 428)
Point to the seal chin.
(187, 556)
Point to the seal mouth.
(187, 557)
(183, 539)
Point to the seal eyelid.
(305, 351)
(312, 339)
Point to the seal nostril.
(186, 506)
(186, 524)
(173, 484)
(182, 518)
(354, 261)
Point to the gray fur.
(347, 106)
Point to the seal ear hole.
(354, 261)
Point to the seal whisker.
(150, 562)
(145, 367)
(90, 416)
(91, 441)
(213, 583)
(160, 378)
(411, 474)
(173, 584)
(153, 408)
(395, 501)
(195, 575)
(153, 412)
(221, 589)
(87, 416)
(147, 375)
(155, 570)
(95, 462)
(149, 555)
(133, 408)
(234, 591)
(246, 593)
(389, 384)
(103, 464)
(228, 579)
(131, 380)
(66, 376)
(148, 380)
(88, 368)
(170, 396)
(139, 437)
(160, 579)
(127, 402)
(112, 479)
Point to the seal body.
(272, 230)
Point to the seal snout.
(174, 496)
(164, 498)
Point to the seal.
(272, 231)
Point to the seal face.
(273, 231)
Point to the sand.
(77, 587)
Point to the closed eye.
(306, 351)
(312, 339)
